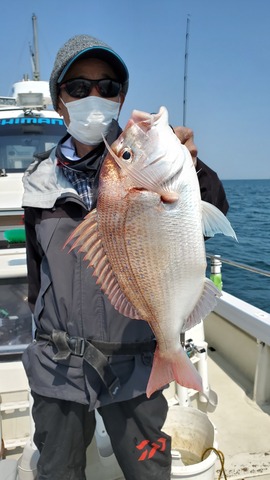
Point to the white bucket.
(192, 433)
(27, 463)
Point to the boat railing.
(216, 259)
(236, 326)
(246, 316)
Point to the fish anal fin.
(177, 367)
(116, 296)
(204, 306)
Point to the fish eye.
(126, 154)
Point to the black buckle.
(77, 345)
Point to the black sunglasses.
(82, 87)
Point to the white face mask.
(90, 118)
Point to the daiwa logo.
(31, 121)
(149, 449)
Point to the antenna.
(185, 72)
(34, 54)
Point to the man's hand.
(186, 137)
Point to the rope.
(220, 455)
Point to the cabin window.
(15, 316)
(20, 139)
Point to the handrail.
(239, 265)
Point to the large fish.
(145, 240)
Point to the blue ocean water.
(249, 215)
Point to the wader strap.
(67, 345)
(95, 352)
(60, 340)
(99, 362)
(116, 348)
(77, 345)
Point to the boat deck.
(243, 428)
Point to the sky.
(228, 65)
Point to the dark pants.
(65, 429)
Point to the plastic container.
(27, 464)
(216, 275)
(192, 433)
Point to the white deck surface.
(243, 428)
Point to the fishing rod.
(185, 71)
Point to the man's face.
(89, 69)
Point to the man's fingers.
(186, 137)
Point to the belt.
(94, 352)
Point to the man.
(86, 355)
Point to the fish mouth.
(144, 120)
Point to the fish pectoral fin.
(86, 238)
(177, 367)
(204, 306)
(214, 221)
(169, 197)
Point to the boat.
(231, 349)
(224, 430)
(28, 124)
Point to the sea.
(249, 214)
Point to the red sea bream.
(145, 240)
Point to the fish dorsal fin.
(204, 306)
(86, 239)
(213, 221)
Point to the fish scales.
(141, 240)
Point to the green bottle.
(216, 275)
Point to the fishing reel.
(189, 346)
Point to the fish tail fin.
(177, 367)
